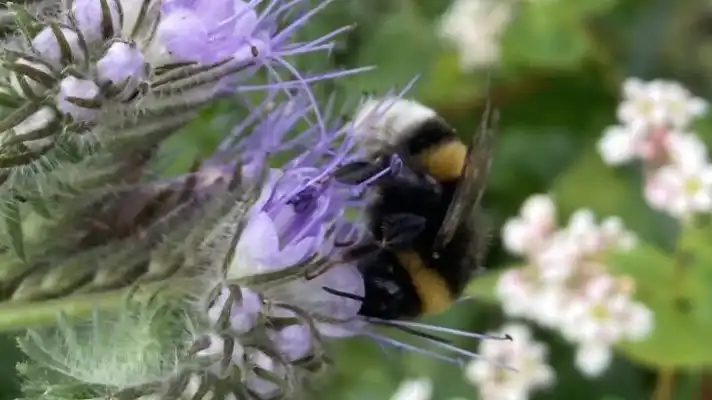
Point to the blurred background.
(556, 70)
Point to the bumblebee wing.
(472, 181)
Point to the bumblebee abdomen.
(389, 290)
(457, 261)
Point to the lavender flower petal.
(122, 66)
(208, 31)
(72, 88)
(243, 314)
(294, 342)
(47, 45)
(89, 17)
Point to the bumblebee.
(427, 240)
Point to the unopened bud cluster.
(266, 348)
(104, 71)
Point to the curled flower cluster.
(234, 237)
(565, 284)
(115, 71)
(528, 356)
(247, 241)
(656, 118)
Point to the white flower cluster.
(524, 354)
(566, 286)
(414, 389)
(474, 27)
(655, 119)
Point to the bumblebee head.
(380, 124)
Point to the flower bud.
(78, 98)
(49, 43)
(97, 19)
(265, 388)
(182, 32)
(210, 31)
(310, 295)
(241, 315)
(123, 67)
(29, 78)
(35, 131)
(293, 342)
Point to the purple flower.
(208, 31)
(293, 224)
(123, 67)
(78, 99)
(241, 315)
(294, 342)
(93, 22)
(47, 45)
(211, 31)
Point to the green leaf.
(402, 48)
(607, 191)
(446, 83)
(544, 37)
(679, 300)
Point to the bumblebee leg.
(319, 268)
(351, 254)
(401, 229)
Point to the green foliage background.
(557, 88)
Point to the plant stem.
(705, 388)
(664, 384)
(24, 315)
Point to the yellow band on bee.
(431, 287)
(444, 162)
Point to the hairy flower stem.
(17, 316)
